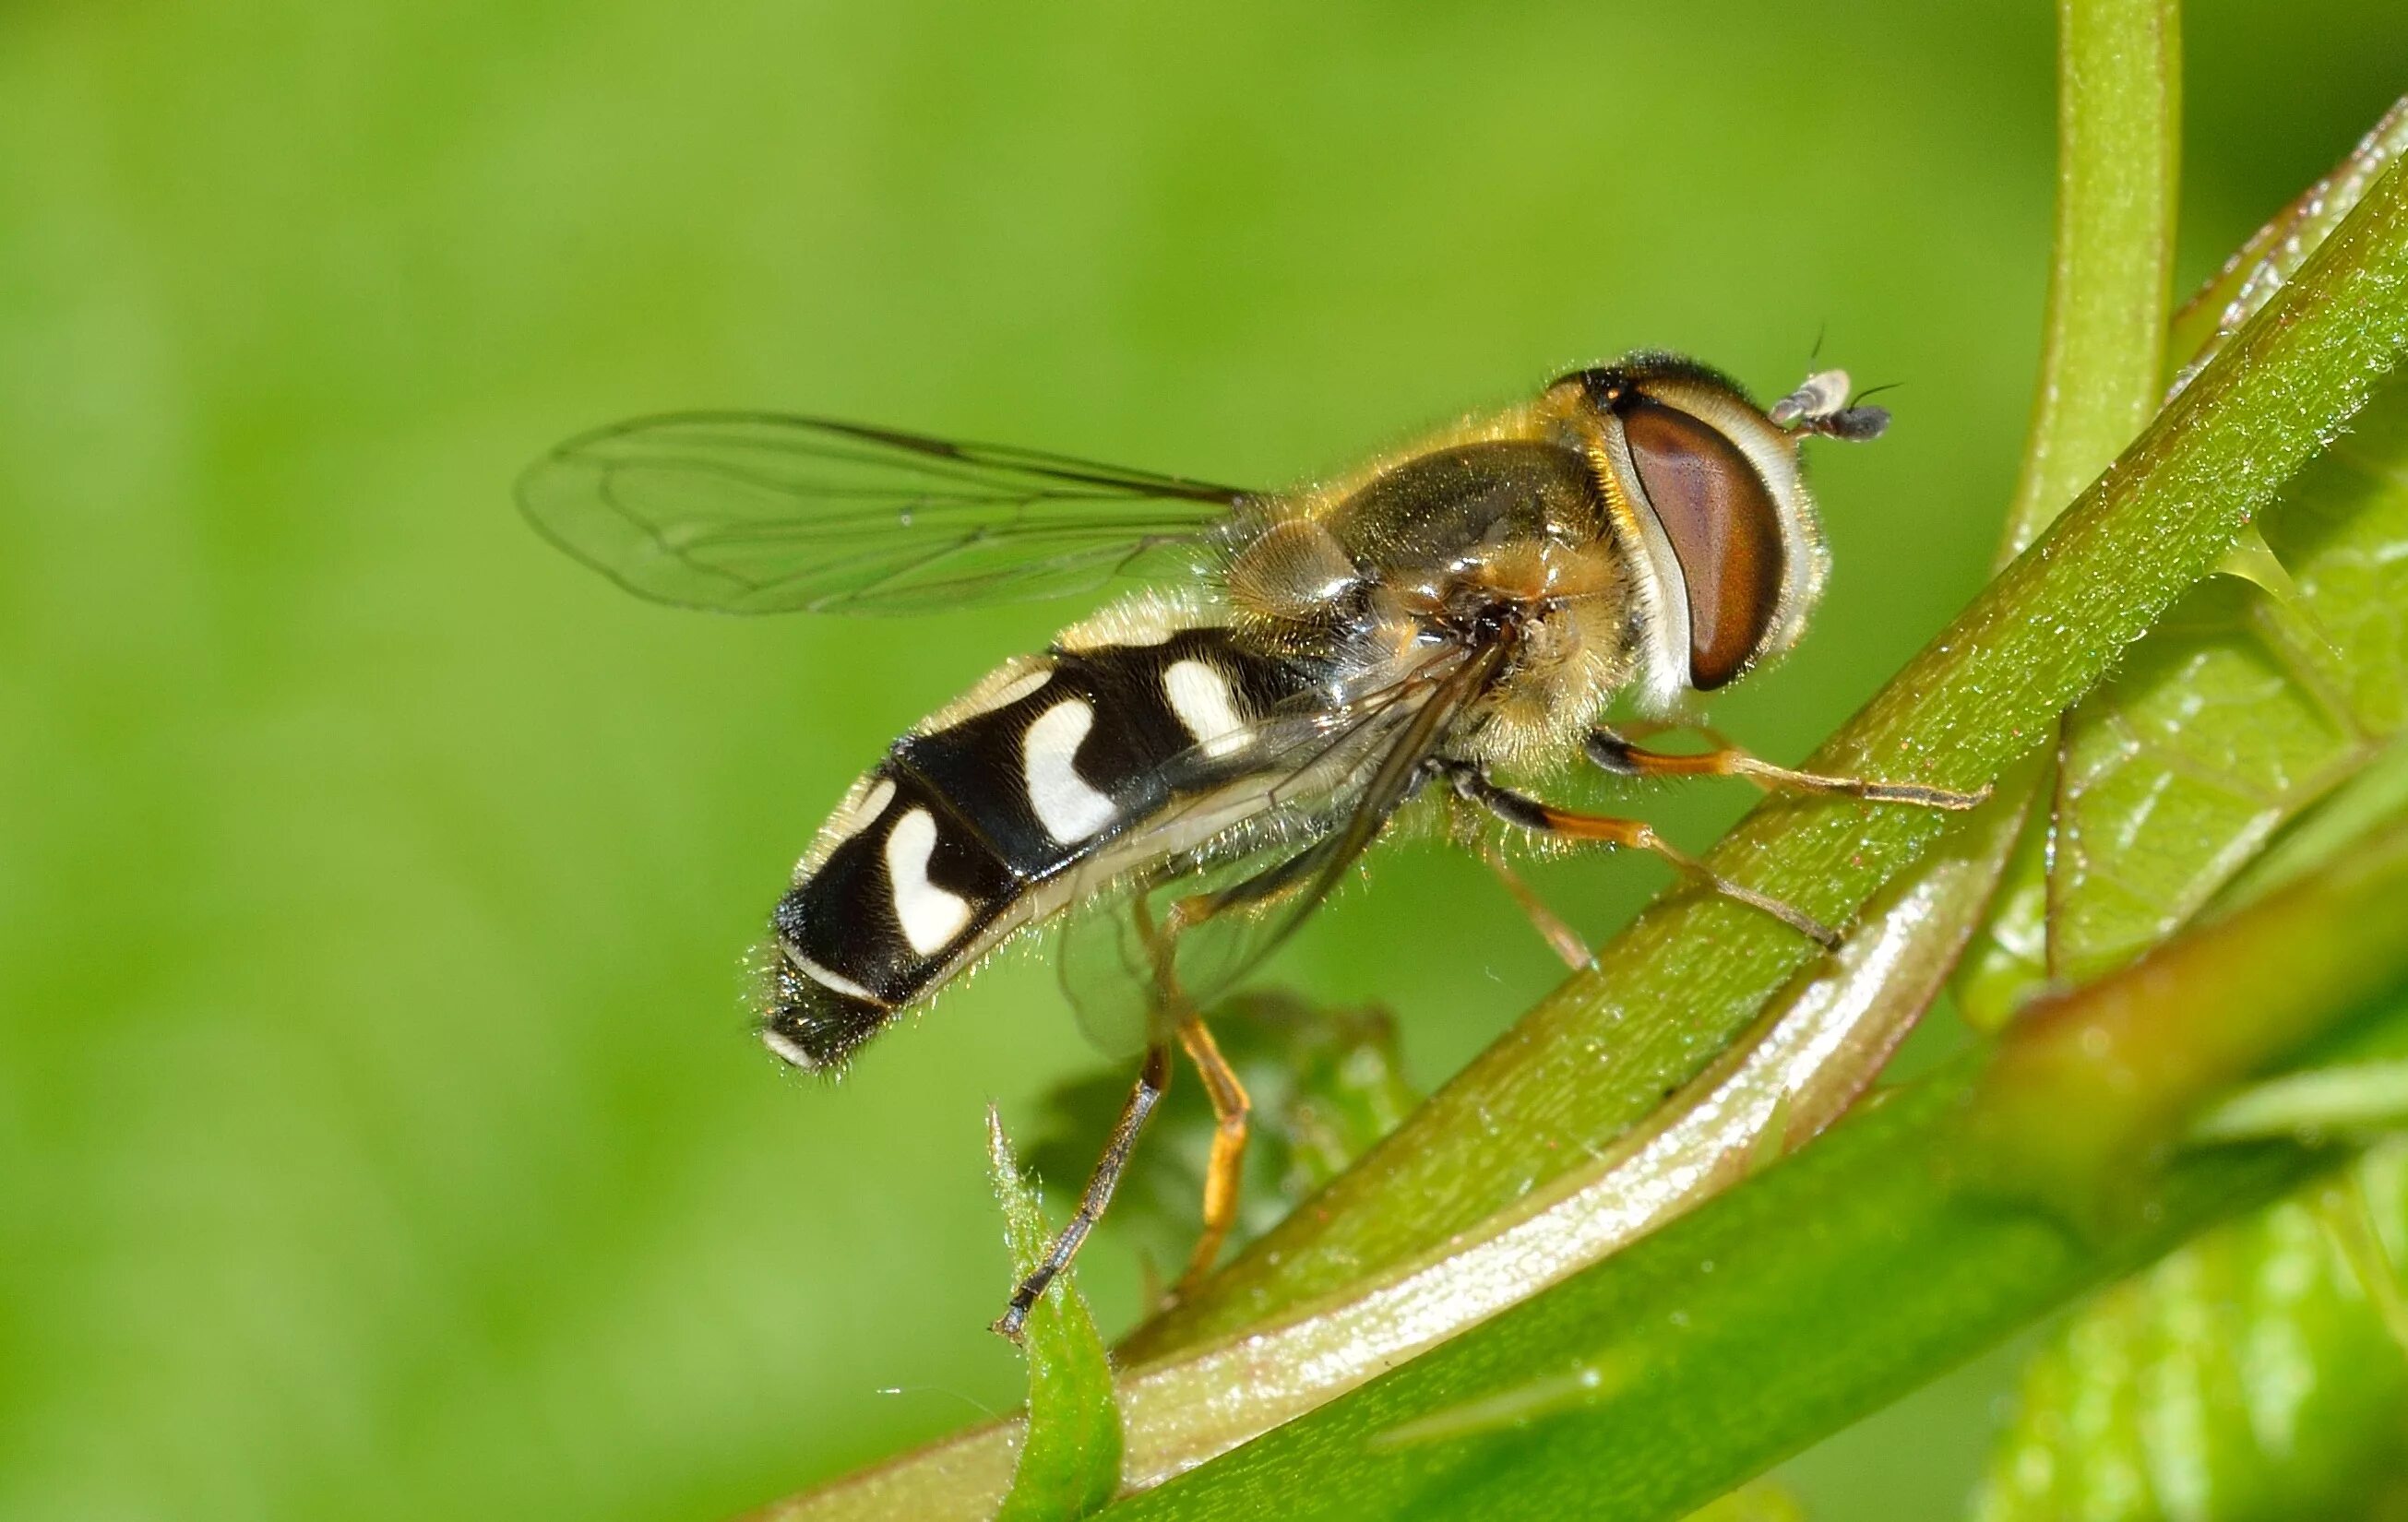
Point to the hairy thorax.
(1486, 541)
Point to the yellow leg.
(1223, 1176)
(1225, 1170)
(1604, 830)
(1622, 757)
(1561, 939)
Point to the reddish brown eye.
(1725, 532)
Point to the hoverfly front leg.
(1620, 757)
(1539, 819)
(1151, 1079)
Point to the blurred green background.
(379, 1133)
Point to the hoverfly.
(1195, 767)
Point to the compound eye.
(1724, 526)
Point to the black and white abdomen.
(944, 850)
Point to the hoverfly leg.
(1153, 1078)
(1561, 939)
(1618, 755)
(1232, 1110)
(1224, 1174)
(1564, 941)
(1540, 819)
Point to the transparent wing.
(746, 512)
(1107, 949)
(1186, 929)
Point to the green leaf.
(2247, 1375)
(2372, 799)
(1070, 1456)
(2239, 711)
(2041, 921)
(1757, 1502)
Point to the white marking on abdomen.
(790, 1051)
(1199, 695)
(1242, 798)
(1001, 688)
(860, 809)
(1066, 805)
(859, 815)
(826, 979)
(930, 916)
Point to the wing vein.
(758, 513)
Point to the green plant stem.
(2087, 1085)
(2103, 341)
(2368, 1097)
(1776, 1313)
(1662, 1377)
(2111, 269)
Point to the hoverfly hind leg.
(1225, 1171)
(1174, 1017)
(1232, 1110)
(1616, 754)
(1153, 1078)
